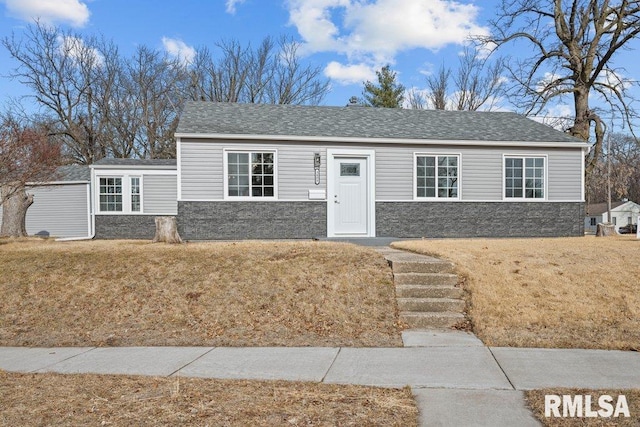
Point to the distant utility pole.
(609, 178)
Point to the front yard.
(581, 292)
(125, 293)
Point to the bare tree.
(573, 45)
(27, 155)
(624, 152)
(476, 84)
(70, 77)
(272, 73)
(438, 86)
(144, 107)
(478, 81)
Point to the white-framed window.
(136, 195)
(524, 177)
(119, 193)
(250, 174)
(615, 222)
(436, 176)
(593, 221)
(110, 194)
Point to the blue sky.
(348, 39)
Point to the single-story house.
(61, 207)
(248, 171)
(623, 212)
(285, 171)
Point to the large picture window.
(251, 174)
(524, 177)
(111, 194)
(437, 176)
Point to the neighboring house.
(622, 213)
(129, 194)
(61, 206)
(286, 171)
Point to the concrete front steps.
(426, 290)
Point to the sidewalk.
(456, 379)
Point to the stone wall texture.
(479, 219)
(306, 220)
(125, 226)
(251, 220)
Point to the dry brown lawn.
(535, 399)
(124, 293)
(72, 400)
(581, 292)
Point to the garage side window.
(111, 194)
(251, 174)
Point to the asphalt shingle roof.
(73, 173)
(135, 162)
(600, 208)
(201, 117)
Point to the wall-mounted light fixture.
(316, 167)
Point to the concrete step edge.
(430, 314)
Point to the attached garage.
(61, 208)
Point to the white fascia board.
(135, 168)
(336, 139)
(41, 184)
(134, 171)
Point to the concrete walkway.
(455, 378)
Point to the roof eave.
(134, 167)
(338, 139)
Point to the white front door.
(350, 196)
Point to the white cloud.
(76, 48)
(349, 74)
(231, 5)
(179, 49)
(379, 29)
(73, 12)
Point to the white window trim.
(436, 198)
(225, 177)
(141, 197)
(126, 194)
(523, 198)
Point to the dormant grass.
(127, 293)
(581, 292)
(73, 400)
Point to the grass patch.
(124, 293)
(70, 400)
(578, 292)
(535, 399)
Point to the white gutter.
(336, 139)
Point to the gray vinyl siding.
(565, 175)
(481, 169)
(59, 211)
(202, 168)
(159, 194)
